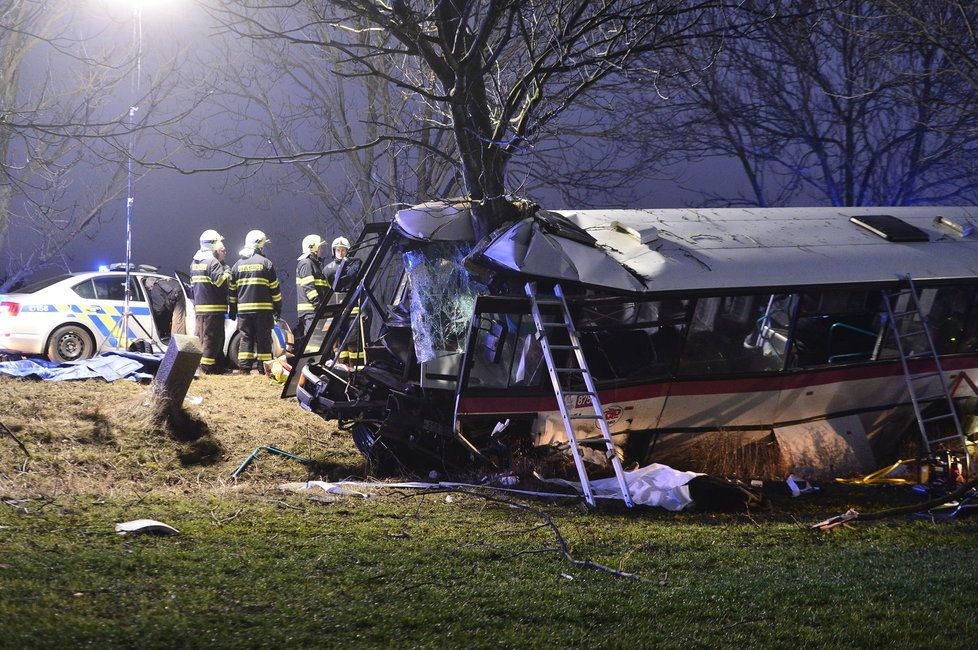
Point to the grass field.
(258, 567)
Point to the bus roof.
(728, 248)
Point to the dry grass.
(102, 439)
(738, 454)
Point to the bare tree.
(839, 106)
(951, 26)
(275, 100)
(63, 133)
(499, 75)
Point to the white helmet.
(256, 239)
(311, 244)
(209, 239)
(341, 241)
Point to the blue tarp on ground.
(109, 366)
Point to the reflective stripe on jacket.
(209, 281)
(311, 284)
(254, 285)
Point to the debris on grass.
(15, 439)
(149, 526)
(328, 488)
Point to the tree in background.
(498, 75)
(837, 107)
(303, 107)
(63, 128)
(951, 26)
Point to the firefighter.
(209, 279)
(311, 285)
(256, 299)
(353, 353)
(341, 247)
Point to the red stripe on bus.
(683, 388)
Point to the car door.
(103, 299)
(188, 301)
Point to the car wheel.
(70, 343)
(234, 345)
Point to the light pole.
(137, 27)
(135, 89)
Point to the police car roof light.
(121, 266)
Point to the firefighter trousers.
(256, 338)
(210, 331)
(304, 325)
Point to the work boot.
(241, 371)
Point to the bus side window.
(947, 314)
(836, 327)
(969, 333)
(643, 345)
(737, 334)
(946, 310)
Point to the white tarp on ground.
(653, 485)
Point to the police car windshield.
(42, 284)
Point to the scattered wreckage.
(637, 336)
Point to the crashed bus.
(832, 335)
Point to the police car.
(72, 317)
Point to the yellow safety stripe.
(207, 361)
(322, 283)
(274, 285)
(255, 306)
(306, 306)
(311, 294)
(210, 309)
(232, 299)
(246, 356)
(277, 297)
(306, 279)
(261, 281)
(264, 356)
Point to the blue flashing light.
(103, 268)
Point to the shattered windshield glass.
(442, 295)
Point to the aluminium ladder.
(580, 370)
(907, 321)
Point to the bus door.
(503, 373)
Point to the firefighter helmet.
(341, 242)
(311, 244)
(256, 239)
(209, 239)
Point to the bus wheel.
(369, 441)
(70, 343)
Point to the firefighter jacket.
(329, 270)
(254, 285)
(209, 279)
(311, 284)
